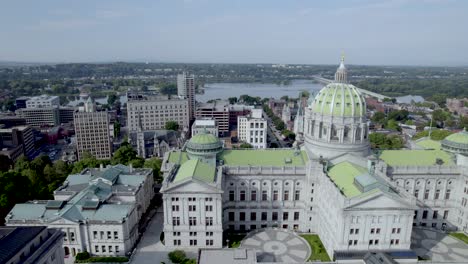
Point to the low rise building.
(40, 117)
(18, 136)
(252, 129)
(31, 245)
(217, 110)
(97, 209)
(43, 101)
(202, 125)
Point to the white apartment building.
(186, 90)
(92, 132)
(98, 210)
(253, 129)
(205, 125)
(43, 101)
(154, 111)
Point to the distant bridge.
(322, 80)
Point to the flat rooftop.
(428, 144)
(267, 157)
(343, 174)
(415, 157)
(257, 157)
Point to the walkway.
(438, 246)
(274, 245)
(150, 250)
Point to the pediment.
(191, 186)
(61, 221)
(382, 201)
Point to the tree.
(232, 100)
(382, 141)
(289, 135)
(285, 98)
(168, 89)
(177, 256)
(378, 117)
(116, 128)
(124, 154)
(172, 125)
(245, 145)
(155, 164)
(111, 99)
(305, 94)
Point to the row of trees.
(279, 124)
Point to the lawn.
(318, 251)
(234, 240)
(460, 236)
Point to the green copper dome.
(340, 100)
(204, 142)
(457, 142)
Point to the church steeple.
(341, 75)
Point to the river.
(226, 90)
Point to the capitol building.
(333, 185)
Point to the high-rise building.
(18, 136)
(153, 112)
(186, 90)
(217, 110)
(92, 132)
(253, 129)
(40, 117)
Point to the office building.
(97, 209)
(155, 111)
(186, 90)
(40, 117)
(20, 102)
(22, 136)
(43, 101)
(218, 111)
(92, 132)
(252, 129)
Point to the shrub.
(177, 256)
(82, 255)
(103, 259)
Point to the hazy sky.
(414, 32)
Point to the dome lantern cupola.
(204, 146)
(341, 74)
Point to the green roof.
(460, 137)
(174, 157)
(428, 144)
(343, 175)
(415, 157)
(268, 157)
(204, 138)
(339, 99)
(196, 169)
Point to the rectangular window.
(116, 235)
(356, 231)
(192, 221)
(209, 221)
(192, 208)
(95, 235)
(275, 195)
(355, 242)
(286, 195)
(351, 231)
(285, 216)
(264, 216)
(350, 242)
(175, 221)
(231, 216)
(446, 212)
(231, 195)
(264, 196)
(176, 242)
(175, 208)
(437, 194)
(209, 242)
(96, 248)
(110, 248)
(242, 216)
(434, 215)
(103, 248)
(426, 194)
(447, 195)
(193, 234)
(209, 233)
(253, 216)
(208, 208)
(416, 193)
(253, 196)
(193, 242)
(372, 231)
(377, 231)
(242, 195)
(297, 195)
(296, 216)
(274, 216)
(424, 216)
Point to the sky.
(369, 32)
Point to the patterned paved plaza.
(438, 246)
(277, 246)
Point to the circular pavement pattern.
(275, 245)
(438, 246)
